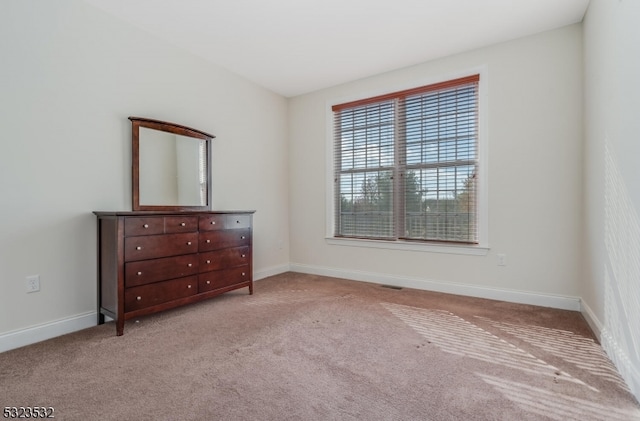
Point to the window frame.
(482, 247)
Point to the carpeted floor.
(307, 347)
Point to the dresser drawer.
(214, 240)
(175, 224)
(148, 271)
(143, 226)
(149, 295)
(237, 221)
(155, 246)
(222, 278)
(220, 259)
(211, 222)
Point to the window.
(406, 165)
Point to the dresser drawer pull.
(244, 255)
(213, 222)
(208, 261)
(188, 243)
(182, 224)
(242, 237)
(139, 298)
(139, 248)
(208, 241)
(145, 226)
(208, 282)
(139, 273)
(189, 286)
(189, 265)
(244, 274)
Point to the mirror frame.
(178, 129)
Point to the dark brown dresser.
(150, 261)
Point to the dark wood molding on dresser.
(150, 261)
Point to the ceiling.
(294, 47)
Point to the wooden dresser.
(150, 261)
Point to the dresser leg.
(251, 288)
(100, 318)
(119, 327)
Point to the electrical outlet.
(33, 283)
(502, 259)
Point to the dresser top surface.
(186, 212)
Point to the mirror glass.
(170, 166)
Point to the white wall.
(534, 177)
(70, 76)
(611, 275)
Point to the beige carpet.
(314, 348)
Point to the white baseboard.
(271, 271)
(522, 297)
(629, 372)
(38, 333)
(592, 320)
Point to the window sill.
(465, 249)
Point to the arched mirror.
(170, 166)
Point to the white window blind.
(406, 164)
